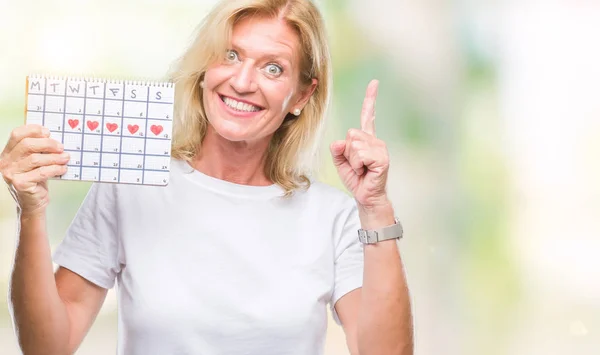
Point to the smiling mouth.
(240, 106)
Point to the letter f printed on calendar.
(114, 131)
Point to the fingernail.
(64, 155)
(45, 131)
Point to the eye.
(274, 69)
(231, 55)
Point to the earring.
(297, 112)
(202, 84)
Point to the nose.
(243, 79)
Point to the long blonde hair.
(294, 144)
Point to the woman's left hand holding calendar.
(28, 160)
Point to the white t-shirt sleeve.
(349, 257)
(91, 245)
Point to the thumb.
(337, 149)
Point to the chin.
(233, 132)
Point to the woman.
(241, 253)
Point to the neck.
(237, 162)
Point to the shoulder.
(336, 206)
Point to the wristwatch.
(394, 231)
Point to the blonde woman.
(242, 252)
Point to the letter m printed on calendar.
(115, 131)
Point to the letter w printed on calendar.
(115, 131)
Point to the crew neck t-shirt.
(206, 266)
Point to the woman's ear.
(305, 95)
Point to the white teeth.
(240, 106)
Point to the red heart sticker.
(112, 127)
(133, 128)
(73, 123)
(92, 125)
(156, 129)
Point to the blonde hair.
(294, 144)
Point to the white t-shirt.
(205, 266)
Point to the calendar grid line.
(83, 127)
(109, 99)
(62, 136)
(44, 104)
(115, 135)
(119, 168)
(146, 134)
(110, 116)
(101, 133)
(119, 153)
(121, 141)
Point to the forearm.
(385, 318)
(39, 316)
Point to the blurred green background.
(492, 118)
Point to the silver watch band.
(394, 231)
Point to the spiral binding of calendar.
(140, 82)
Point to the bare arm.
(51, 313)
(377, 318)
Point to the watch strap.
(394, 231)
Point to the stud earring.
(202, 84)
(297, 112)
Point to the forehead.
(263, 35)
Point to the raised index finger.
(22, 132)
(367, 115)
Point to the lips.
(240, 105)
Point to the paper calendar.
(115, 131)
